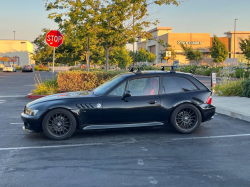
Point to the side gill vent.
(84, 106)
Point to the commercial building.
(17, 52)
(201, 41)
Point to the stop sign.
(54, 38)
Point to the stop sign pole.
(54, 38)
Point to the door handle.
(152, 102)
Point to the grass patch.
(47, 87)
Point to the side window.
(177, 84)
(119, 90)
(144, 86)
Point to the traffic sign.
(54, 38)
(168, 54)
(176, 63)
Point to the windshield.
(101, 90)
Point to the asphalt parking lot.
(217, 154)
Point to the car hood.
(61, 96)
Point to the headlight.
(30, 112)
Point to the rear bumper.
(32, 123)
(208, 112)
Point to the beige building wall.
(238, 35)
(17, 48)
(199, 41)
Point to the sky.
(28, 17)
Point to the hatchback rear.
(27, 68)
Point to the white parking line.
(132, 140)
(14, 96)
(211, 137)
(2, 101)
(64, 146)
(16, 123)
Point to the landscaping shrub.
(76, 81)
(246, 88)
(44, 68)
(230, 88)
(47, 87)
(82, 80)
(198, 71)
(18, 68)
(241, 73)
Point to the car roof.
(155, 72)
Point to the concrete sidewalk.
(236, 107)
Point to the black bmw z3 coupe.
(132, 99)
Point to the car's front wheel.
(186, 118)
(59, 124)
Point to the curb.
(30, 96)
(232, 114)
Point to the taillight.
(209, 100)
(29, 67)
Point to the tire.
(56, 121)
(186, 118)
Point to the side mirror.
(126, 94)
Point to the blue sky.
(28, 17)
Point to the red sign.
(54, 38)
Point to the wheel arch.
(60, 107)
(187, 102)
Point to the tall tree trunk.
(107, 59)
(87, 61)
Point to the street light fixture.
(14, 35)
(234, 35)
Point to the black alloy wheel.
(59, 124)
(186, 118)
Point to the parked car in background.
(27, 68)
(9, 68)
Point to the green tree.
(192, 54)
(141, 55)
(218, 50)
(245, 48)
(151, 57)
(109, 21)
(120, 56)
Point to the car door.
(141, 107)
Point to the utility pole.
(234, 34)
(14, 35)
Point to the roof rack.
(172, 68)
(137, 72)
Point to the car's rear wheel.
(186, 118)
(59, 124)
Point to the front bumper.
(32, 123)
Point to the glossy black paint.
(91, 109)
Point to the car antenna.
(172, 68)
(138, 71)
